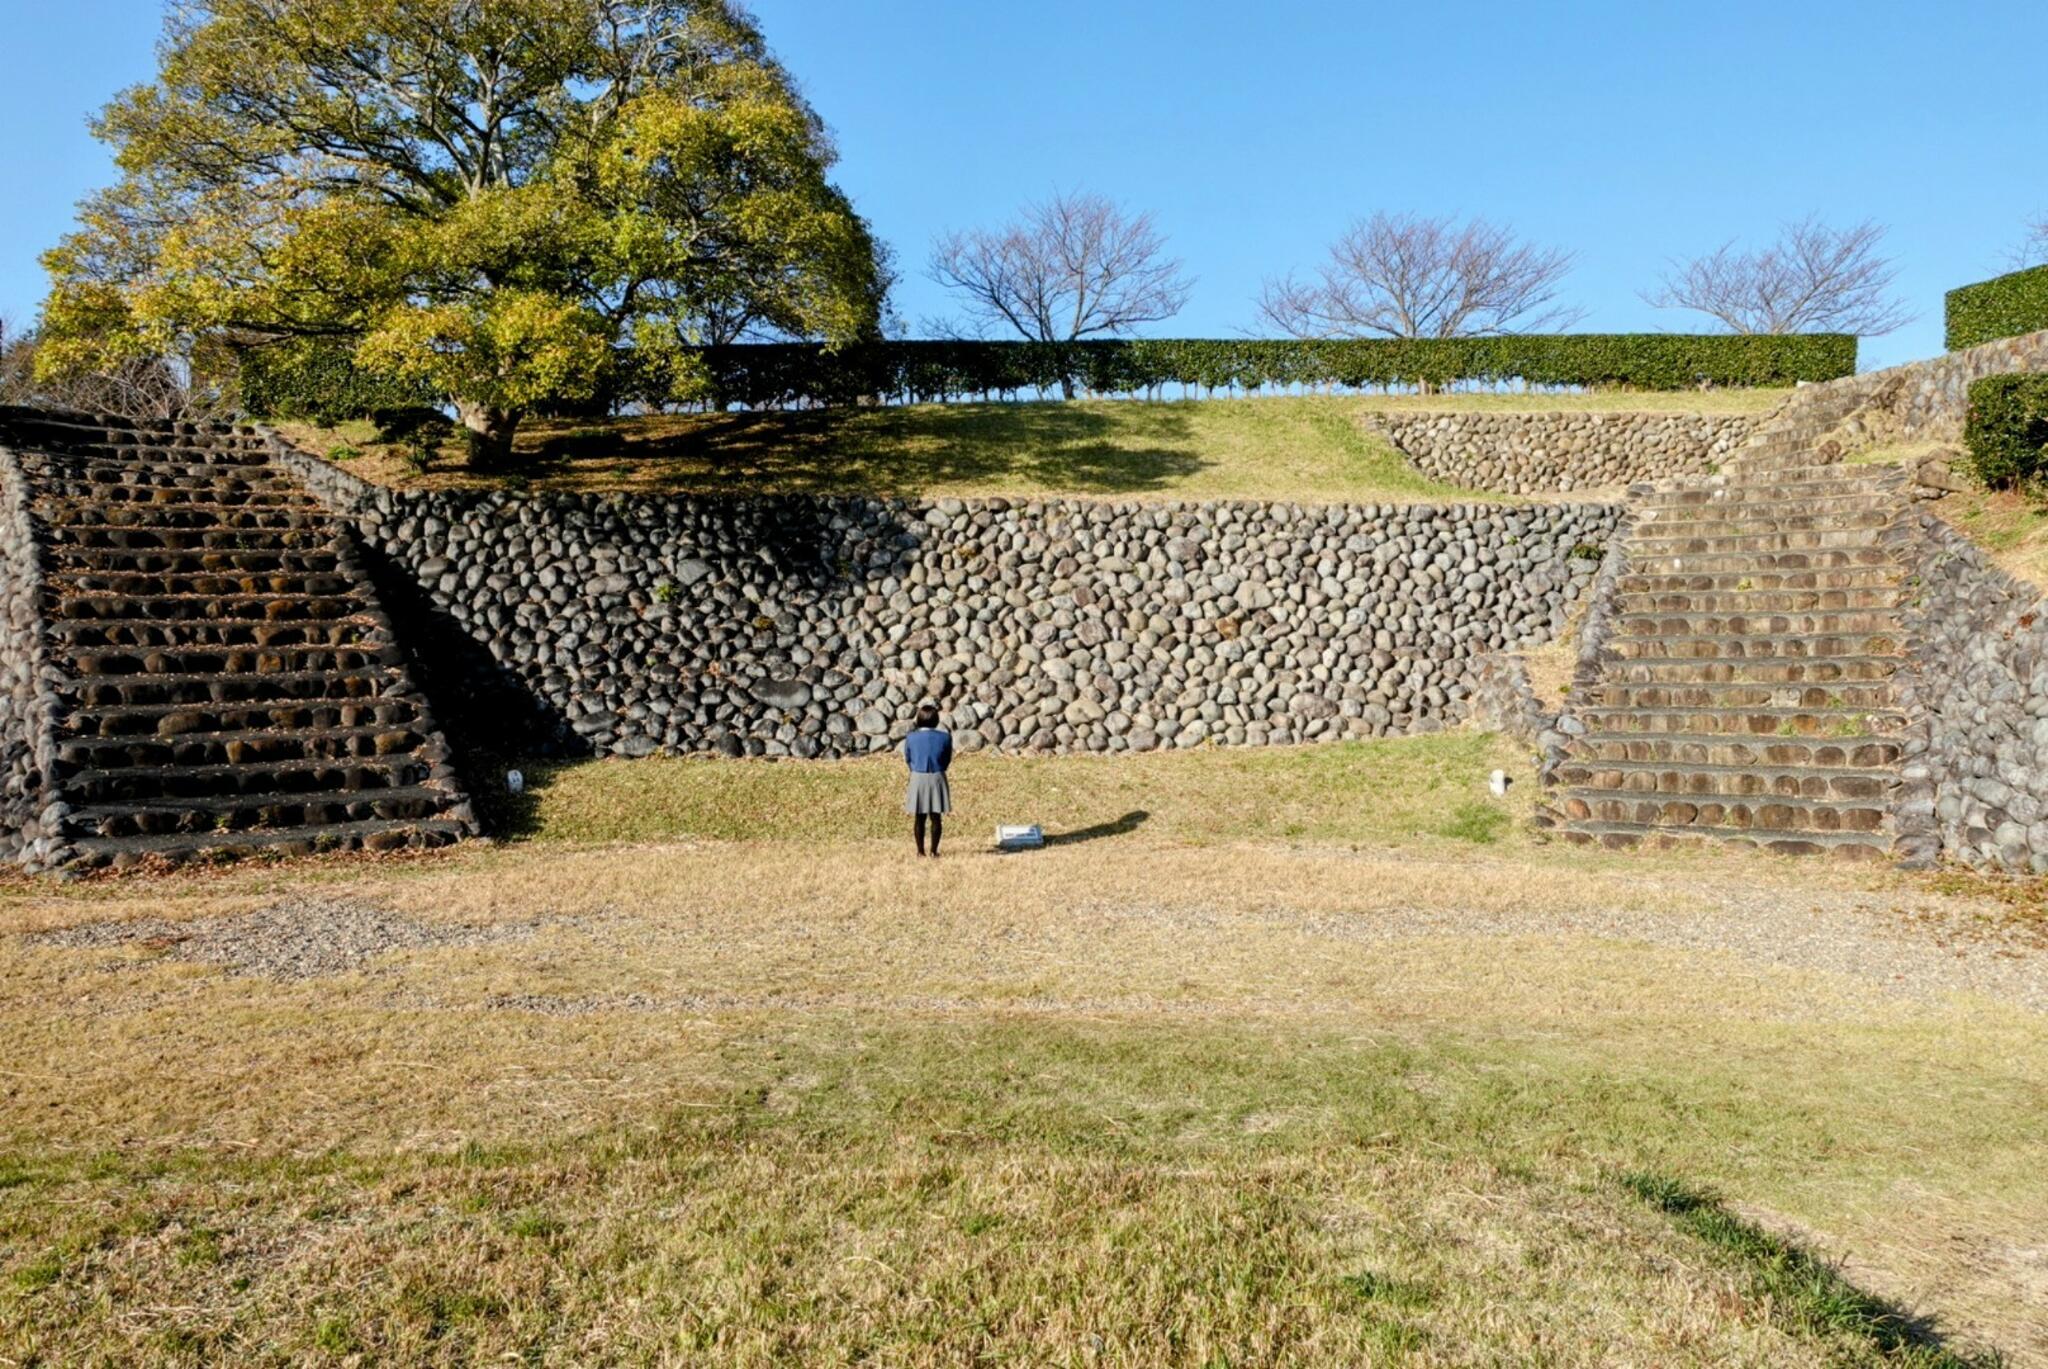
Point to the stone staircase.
(1738, 683)
(225, 680)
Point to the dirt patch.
(294, 938)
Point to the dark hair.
(928, 716)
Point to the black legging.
(938, 830)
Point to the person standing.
(928, 751)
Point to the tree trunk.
(491, 431)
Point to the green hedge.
(2004, 306)
(316, 380)
(2007, 429)
(770, 374)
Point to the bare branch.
(1814, 279)
(1073, 267)
(2033, 249)
(1401, 275)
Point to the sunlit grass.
(1283, 447)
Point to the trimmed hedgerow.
(769, 374)
(2006, 432)
(316, 380)
(2004, 306)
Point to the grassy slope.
(2010, 526)
(1167, 1095)
(1289, 448)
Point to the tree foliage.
(488, 198)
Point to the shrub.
(2004, 306)
(2007, 429)
(316, 380)
(771, 374)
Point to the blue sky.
(1628, 132)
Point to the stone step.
(142, 585)
(119, 492)
(191, 469)
(70, 635)
(1778, 752)
(167, 609)
(1751, 601)
(62, 517)
(62, 443)
(1711, 814)
(1651, 544)
(1641, 624)
(244, 778)
(1750, 562)
(1837, 697)
(1750, 723)
(1743, 579)
(116, 664)
(374, 835)
(228, 747)
(1811, 782)
(230, 813)
(67, 559)
(237, 719)
(1764, 501)
(1615, 836)
(236, 687)
(1728, 525)
(1717, 670)
(1779, 646)
(306, 535)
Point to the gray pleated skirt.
(928, 794)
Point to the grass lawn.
(1311, 1065)
(1304, 448)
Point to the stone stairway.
(226, 682)
(1740, 684)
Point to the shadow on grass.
(503, 815)
(1129, 822)
(1800, 1287)
(875, 451)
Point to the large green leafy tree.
(497, 198)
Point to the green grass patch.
(1396, 791)
(1297, 447)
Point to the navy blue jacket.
(929, 750)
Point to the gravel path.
(295, 938)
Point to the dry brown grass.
(758, 1101)
(2010, 525)
(1191, 1090)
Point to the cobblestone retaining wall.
(1976, 765)
(27, 694)
(1533, 453)
(814, 627)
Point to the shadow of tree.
(875, 451)
(1128, 823)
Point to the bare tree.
(1403, 275)
(2033, 249)
(1814, 279)
(1075, 266)
(143, 387)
